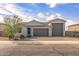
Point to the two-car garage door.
(40, 32)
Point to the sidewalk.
(37, 42)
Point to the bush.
(10, 37)
(22, 37)
(15, 39)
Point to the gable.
(34, 23)
(57, 20)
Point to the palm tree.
(12, 25)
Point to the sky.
(42, 11)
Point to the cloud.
(14, 9)
(51, 5)
(58, 15)
(2, 11)
(70, 22)
(41, 15)
(50, 17)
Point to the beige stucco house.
(74, 27)
(54, 27)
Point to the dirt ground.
(32, 47)
(40, 50)
(44, 39)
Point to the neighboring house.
(74, 27)
(73, 30)
(55, 27)
(2, 30)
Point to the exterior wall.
(50, 30)
(32, 31)
(63, 29)
(73, 28)
(24, 31)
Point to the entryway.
(28, 32)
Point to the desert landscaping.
(40, 47)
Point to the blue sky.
(42, 11)
(69, 11)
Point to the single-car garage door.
(40, 32)
(57, 29)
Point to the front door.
(29, 32)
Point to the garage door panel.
(40, 32)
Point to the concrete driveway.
(39, 48)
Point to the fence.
(2, 34)
(72, 33)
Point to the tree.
(12, 25)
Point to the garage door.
(57, 29)
(40, 32)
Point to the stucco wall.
(73, 28)
(24, 31)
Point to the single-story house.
(55, 27)
(73, 30)
(74, 27)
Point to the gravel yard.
(44, 39)
(40, 50)
(60, 46)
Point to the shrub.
(22, 37)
